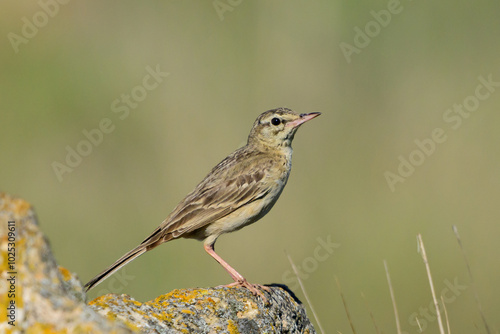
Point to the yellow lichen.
(103, 301)
(232, 328)
(43, 329)
(66, 275)
(20, 207)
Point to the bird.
(237, 192)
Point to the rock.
(40, 296)
(215, 310)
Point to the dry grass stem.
(476, 295)
(419, 325)
(396, 315)
(345, 305)
(371, 313)
(421, 249)
(294, 268)
(446, 315)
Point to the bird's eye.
(275, 121)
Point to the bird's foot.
(255, 289)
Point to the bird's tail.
(139, 250)
(154, 239)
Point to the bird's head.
(276, 128)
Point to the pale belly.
(238, 219)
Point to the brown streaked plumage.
(237, 192)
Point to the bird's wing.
(230, 186)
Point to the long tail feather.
(139, 250)
(154, 239)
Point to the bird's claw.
(255, 289)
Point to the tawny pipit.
(240, 190)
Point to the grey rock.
(214, 310)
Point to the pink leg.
(237, 277)
(239, 280)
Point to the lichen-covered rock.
(41, 297)
(215, 310)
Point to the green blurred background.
(226, 65)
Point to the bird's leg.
(239, 280)
(237, 277)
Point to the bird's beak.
(303, 118)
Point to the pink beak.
(303, 118)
